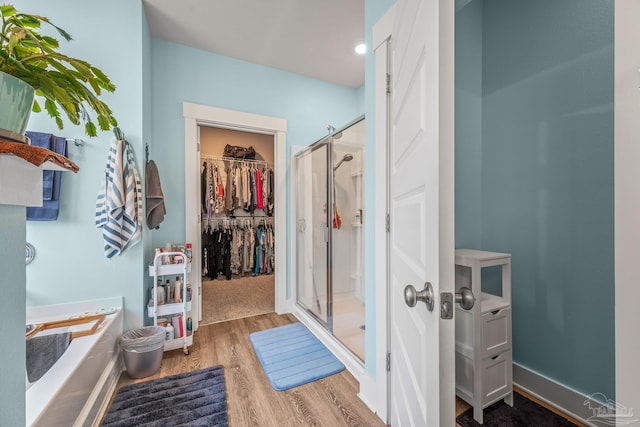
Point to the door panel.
(312, 245)
(421, 236)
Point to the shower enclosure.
(330, 220)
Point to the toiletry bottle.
(169, 335)
(177, 296)
(167, 290)
(188, 251)
(160, 295)
(189, 325)
(169, 258)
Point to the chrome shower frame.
(328, 141)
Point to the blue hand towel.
(47, 212)
(50, 206)
(43, 140)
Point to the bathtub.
(76, 390)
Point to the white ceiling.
(315, 38)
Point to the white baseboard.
(553, 393)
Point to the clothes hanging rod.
(239, 221)
(233, 159)
(240, 218)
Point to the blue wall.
(546, 168)
(12, 307)
(468, 125)
(70, 264)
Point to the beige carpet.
(237, 298)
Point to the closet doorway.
(196, 117)
(238, 234)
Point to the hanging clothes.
(228, 201)
(237, 249)
(259, 193)
(240, 185)
(219, 191)
(236, 245)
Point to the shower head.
(347, 158)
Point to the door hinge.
(198, 147)
(388, 83)
(388, 362)
(388, 223)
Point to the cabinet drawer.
(497, 377)
(496, 332)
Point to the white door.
(421, 208)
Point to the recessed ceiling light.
(361, 49)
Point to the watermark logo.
(606, 412)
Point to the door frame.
(374, 389)
(196, 115)
(626, 205)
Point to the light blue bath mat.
(291, 356)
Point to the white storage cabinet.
(158, 270)
(483, 334)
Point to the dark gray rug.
(195, 398)
(525, 413)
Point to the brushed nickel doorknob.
(411, 296)
(465, 298)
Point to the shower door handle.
(411, 296)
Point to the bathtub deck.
(74, 389)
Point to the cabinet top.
(477, 255)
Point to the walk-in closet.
(237, 245)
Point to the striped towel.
(119, 203)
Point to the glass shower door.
(313, 268)
(330, 234)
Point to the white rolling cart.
(483, 333)
(170, 308)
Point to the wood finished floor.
(251, 400)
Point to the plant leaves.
(7, 10)
(65, 83)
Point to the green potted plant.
(30, 63)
